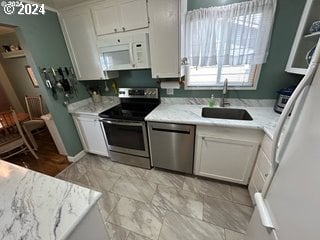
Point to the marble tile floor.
(139, 204)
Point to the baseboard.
(77, 156)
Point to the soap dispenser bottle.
(211, 101)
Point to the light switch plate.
(170, 91)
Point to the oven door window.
(130, 137)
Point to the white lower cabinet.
(91, 134)
(91, 222)
(226, 153)
(262, 168)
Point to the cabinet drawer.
(257, 179)
(263, 164)
(266, 145)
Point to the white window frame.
(219, 87)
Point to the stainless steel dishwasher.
(172, 146)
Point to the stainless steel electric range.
(125, 128)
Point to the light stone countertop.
(264, 118)
(188, 111)
(87, 107)
(36, 206)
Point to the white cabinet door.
(114, 17)
(133, 15)
(225, 159)
(91, 135)
(81, 41)
(106, 19)
(78, 31)
(262, 169)
(165, 37)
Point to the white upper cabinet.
(81, 40)
(105, 18)
(304, 41)
(114, 16)
(166, 29)
(134, 15)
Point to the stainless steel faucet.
(223, 101)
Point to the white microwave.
(124, 52)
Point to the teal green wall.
(273, 75)
(42, 37)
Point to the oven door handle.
(123, 123)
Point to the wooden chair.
(12, 139)
(35, 111)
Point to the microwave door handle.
(131, 54)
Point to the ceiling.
(58, 4)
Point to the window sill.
(221, 87)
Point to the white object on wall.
(54, 133)
(170, 84)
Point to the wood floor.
(50, 162)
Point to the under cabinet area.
(78, 31)
(114, 16)
(226, 153)
(166, 37)
(91, 134)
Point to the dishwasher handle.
(170, 130)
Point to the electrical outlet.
(170, 91)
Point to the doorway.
(16, 82)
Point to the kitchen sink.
(226, 113)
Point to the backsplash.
(267, 88)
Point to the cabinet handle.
(115, 30)
(266, 175)
(123, 28)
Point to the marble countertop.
(263, 117)
(36, 206)
(188, 111)
(87, 107)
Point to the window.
(230, 41)
(239, 77)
